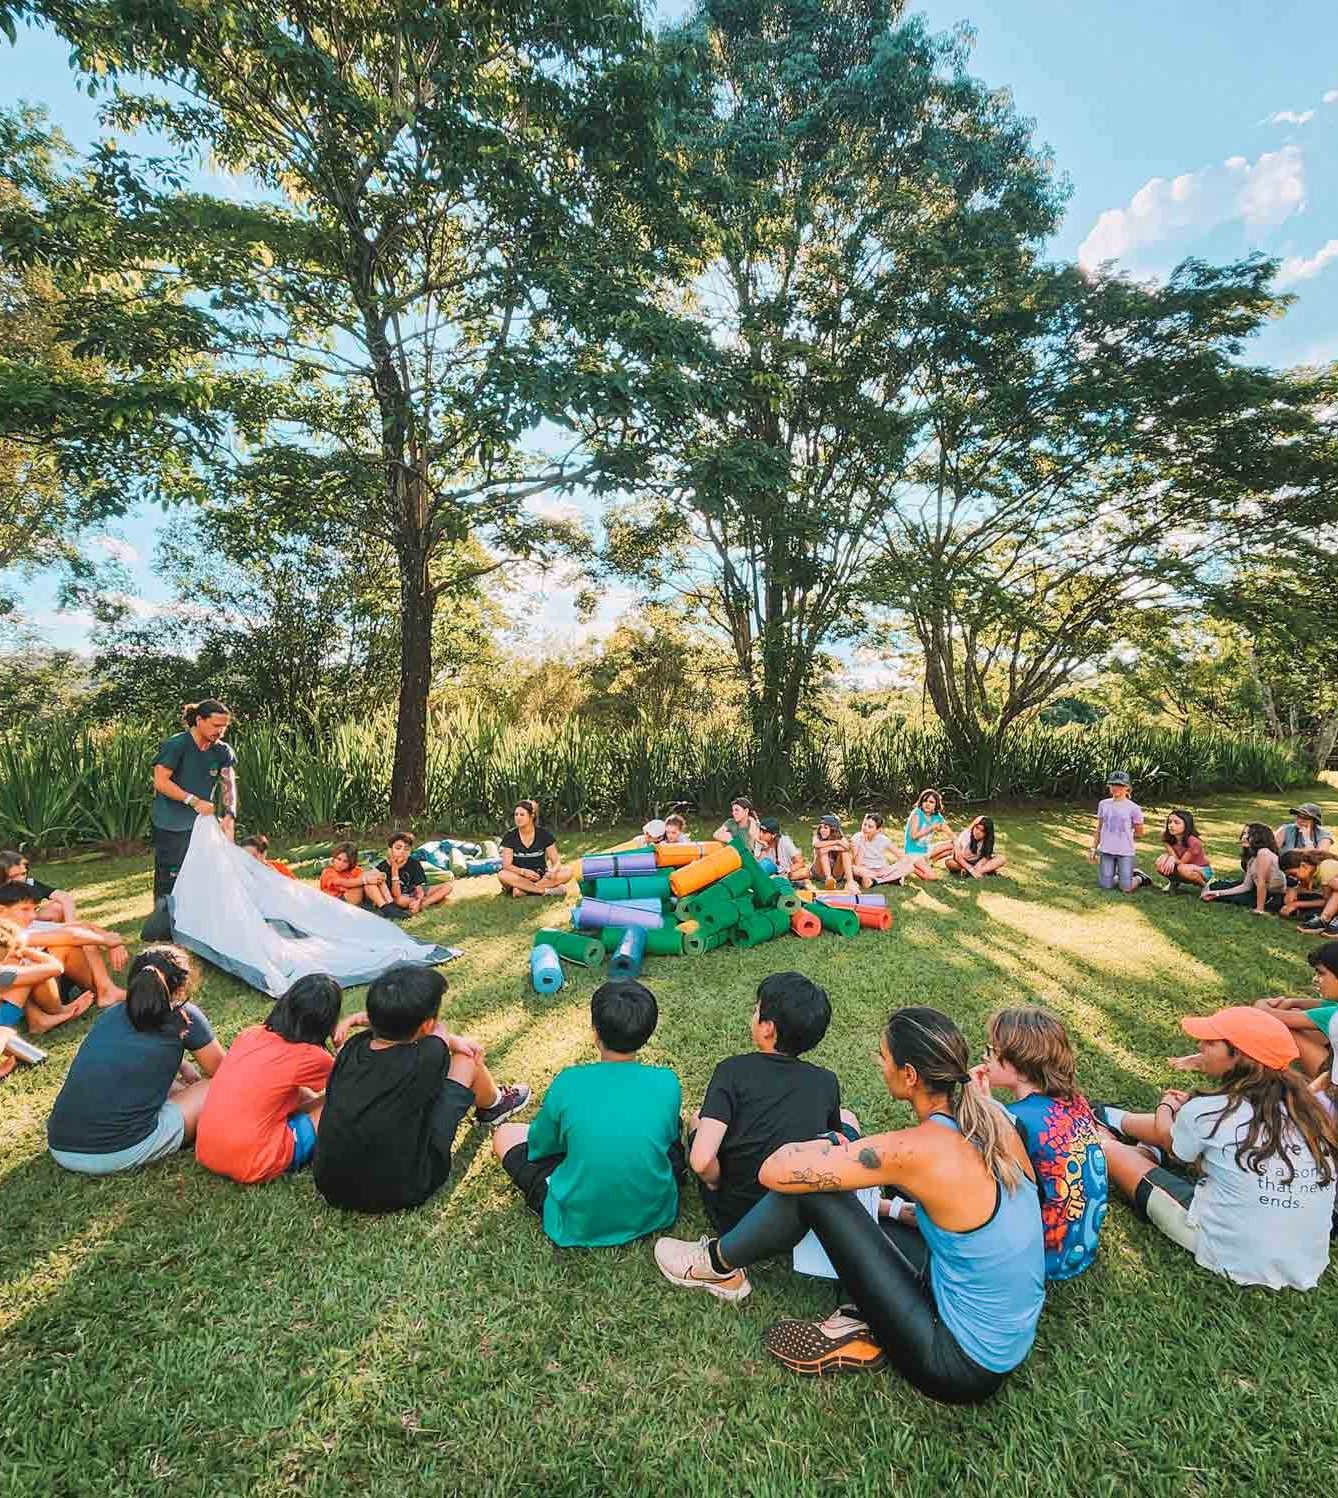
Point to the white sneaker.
(688, 1265)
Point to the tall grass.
(94, 787)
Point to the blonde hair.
(11, 937)
(1037, 1046)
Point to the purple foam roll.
(598, 866)
(636, 863)
(879, 901)
(638, 902)
(592, 915)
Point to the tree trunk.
(1326, 736)
(408, 777)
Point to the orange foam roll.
(676, 855)
(873, 917)
(697, 875)
(805, 923)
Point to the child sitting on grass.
(396, 1096)
(777, 845)
(764, 1098)
(1184, 861)
(30, 989)
(78, 946)
(602, 1160)
(973, 853)
(1310, 1018)
(257, 845)
(1030, 1055)
(831, 854)
(873, 854)
(406, 878)
(343, 878)
(928, 839)
(259, 1120)
(52, 904)
(1265, 1149)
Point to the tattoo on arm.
(819, 1180)
(869, 1157)
(229, 779)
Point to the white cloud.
(1331, 97)
(1262, 195)
(1297, 268)
(116, 549)
(1290, 117)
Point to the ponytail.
(207, 707)
(928, 1040)
(155, 981)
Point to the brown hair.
(399, 837)
(11, 936)
(533, 808)
(1296, 858)
(674, 820)
(1279, 1102)
(351, 849)
(1037, 1046)
(192, 712)
(258, 841)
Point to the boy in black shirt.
(396, 1097)
(406, 879)
(757, 1102)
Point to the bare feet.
(111, 995)
(7, 1065)
(39, 1021)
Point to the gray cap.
(1308, 809)
(1118, 777)
(654, 829)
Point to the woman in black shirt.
(530, 862)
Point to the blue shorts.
(168, 1135)
(10, 1014)
(304, 1140)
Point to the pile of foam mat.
(683, 899)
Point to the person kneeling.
(602, 1161)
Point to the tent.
(268, 931)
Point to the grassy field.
(172, 1331)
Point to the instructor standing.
(188, 770)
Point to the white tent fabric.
(250, 921)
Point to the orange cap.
(1254, 1033)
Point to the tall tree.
(848, 175)
(451, 206)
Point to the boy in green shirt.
(602, 1161)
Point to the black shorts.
(1171, 1182)
(530, 1177)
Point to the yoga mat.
(627, 957)
(787, 897)
(474, 867)
(737, 884)
(611, 889)
(25, 1050)
(545, 969)
(641, 902)
(666, 942)
(597, 866)
(843, 897)
(768, 866)
(761, 926)
(640, 862)
(675, 855)
(591, 915)
(695, 876)
(703, 941)
(572, 946)
(693, 905)
(586, 886)
(761, 882)
(873, 917)
(651, 886)
(804, 923)
(836, 919)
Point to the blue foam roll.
(476, 866)
(627, 956)
(768, 865)
(594, 915)
(545, 969)
(636, 863)
(598, 866)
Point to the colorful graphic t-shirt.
(1065, 1151)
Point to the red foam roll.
(805, 923)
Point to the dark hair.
(10, 858)
(799, 1009)
(399, 837)
(156, 977)
(257, 840)
(532, 807)
(1295, 858)
(985, 847)
(1326, 956)
(928, 1040)
(1037, 1046)
(1278, 1101)
(624, 1014)
(674, 819)
(876, 817)
(402, 998)
(742, 801)
(208, 707)
(351, 849)
(308, 1013)
(1260, 837)
(1187, 817)
(13, 892)
(930, 791)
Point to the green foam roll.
(761, 926)
(612, 889)
(703, 941)
(759, 880)
(649, 886)
(737, 884)
(838, 919)
(696, 907)
(587, 886)
(572, 946)
(787, 895)
(667, 941)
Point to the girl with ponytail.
(130, 1096)
(952, 1305)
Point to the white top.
(873, 851)
(783, 853)
(1257, 1228)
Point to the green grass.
(170, 1331)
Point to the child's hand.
(1184, 1063)
(1282, 1001)
(1091, 855)
(980, 1078)
(1208, 894)
(1175, 1097)
(463, 1045)
(345, 1027)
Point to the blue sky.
(1206, 128)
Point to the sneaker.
(841, 1344)
(688, 1265)
(510, 1099)
(1142, 880)
(1316, 924)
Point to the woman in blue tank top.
(951, 1303)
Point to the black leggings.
(885, 1271)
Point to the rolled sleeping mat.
(703, 941)
(738, 883)
(593, 915)
(586, 886)
(571, 946)
(714, 894)
(640, 902)
(25, 1050)
(649, 886)
(787, 897)
(545, 969)
(476, 867)
(873, 917)
(804, 923)
(675, 855)
(762, 925)
(761, 881)
(694, 876)
(611, 889)
(768, 866)
(640, 862)
(597, 866)
(491, 848)
(713, 915)
(626, 958)
(666, 942)
(843, 897)
(836, 919)
(744, 906)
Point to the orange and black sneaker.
(841, 1344)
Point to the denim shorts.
(10, 1014)
(167, 1137)
(303, 1131)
